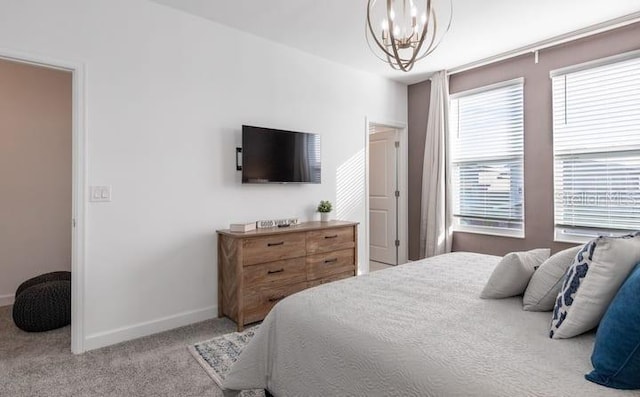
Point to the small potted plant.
(324, 208)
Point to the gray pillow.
(546, 282)
(512, 274)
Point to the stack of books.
(243, 227)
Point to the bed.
(419, 329)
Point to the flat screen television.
(278, 156)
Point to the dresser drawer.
(259, 301)
(273, 248)
(331, 279)
(330, 240)
(287, 271)
(330, 263)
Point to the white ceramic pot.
(324, 216)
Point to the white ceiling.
(334, 29)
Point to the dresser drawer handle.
(275, 271)
(334, 236)
(274, 244)
(277, 298)
(331, 260)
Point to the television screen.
(277, 156)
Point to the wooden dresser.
(259, 268)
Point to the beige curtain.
(435, 222)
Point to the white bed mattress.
(419, 329)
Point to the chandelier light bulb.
(401, 39)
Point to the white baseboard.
(102, 339)
(6, 300)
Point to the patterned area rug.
(217, 355)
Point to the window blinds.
(596, 139)
(486, 154)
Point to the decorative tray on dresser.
(257, 269)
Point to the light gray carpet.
(41, 364)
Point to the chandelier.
(401, 32)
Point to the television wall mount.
(238, 159)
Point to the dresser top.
(301, 227)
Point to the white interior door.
(383, 203)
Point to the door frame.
(403, 187)
(78, 181)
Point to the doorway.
(35, 174)
(384, 196)
(76, 151)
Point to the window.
(486, 159)
(596, 145)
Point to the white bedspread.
(419, 329)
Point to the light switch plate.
(99, 194)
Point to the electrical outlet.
(99, 194)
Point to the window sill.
(491, 232)
(570, 238)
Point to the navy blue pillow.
(616, 356)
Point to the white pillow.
(512, 273)
(545, 283)
(591, 283)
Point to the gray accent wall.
(538, 139)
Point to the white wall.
(167, 94)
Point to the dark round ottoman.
(43, 303)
